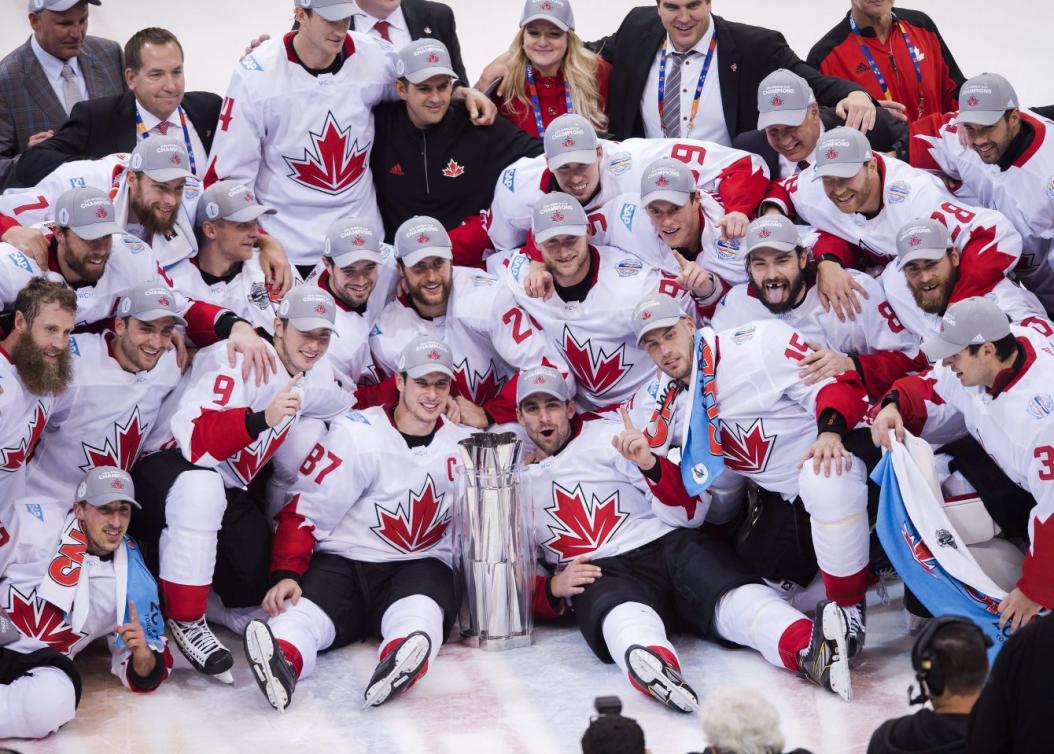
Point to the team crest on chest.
(120, 449)
(39, 619)
(599, 372)
(747, 450)
(581, 527)
(247, 464)
(13, 458)
(333, 163)
(418, 527)
(478, 387)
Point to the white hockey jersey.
(491, 337)
(883, 347)
(364, 494)
(23, 416)
(595, 337)
(1015, 426)
(303, 142)
(35, 205)
(205, 417)
(736, 178)
(102, 419)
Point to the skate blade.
(649, 670)
(835, 628)
(259, 655)
(380, 691)
(226, 677)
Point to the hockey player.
(996, 378)
(617, 522)
(34, 370)
(68, 580)
(587, 320)
(785, 435)
(492, 338)
(321, 83)
(999, 156)
(362, 548)
(215, 435)
(782, 285)
(594, 172)
(932, 272)
(859, 201)
(155, 198)
(119, 380)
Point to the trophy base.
(497, 644)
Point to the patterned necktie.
(162, 128)
(671, 96)
(71, 93)
(381, 27)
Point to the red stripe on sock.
(184, 602)
(793, 640)
(293, 655)
(846, 590)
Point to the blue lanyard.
(569, 107)
(698, 86)
(141, 129)
(874, 66)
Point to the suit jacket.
(888, 135)
(100, 127)
(745, 54)
(28, 104)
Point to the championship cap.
(783, 99)
(104, 485)
(556, 12)
(969, 322)
(770, 232)
(421, 237)
(546, 380)
(149, 301)
(840, 152)
(331, 10)
(426, 354)
(351, 240)
(230, 200)
(667, 180)
(58, 6)
(163, 158)
(308, 307)
(570, 139)
(422, 59)
(557, 214)
(984, 98)
(654, 312)
(88, 212)
(922, 239)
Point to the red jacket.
(550, 100)
(839, 54)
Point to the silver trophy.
(493, 544)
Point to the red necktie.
(381, 27)
(163, 127)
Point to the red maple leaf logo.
(599, 373)
(662, 181)
(453, 170)
(120, 449)
(433, 58)
(918, 549)
(423, 238)
(249, 460)
(831, 154)
(14, 458)
(176, 159)
(39, 619)
(972, 102)
(581, 527)
(358, 241)
(547, 6)
(764, 233)
(100, 213)
(420, 526)
(320, 309)
(332, 164)
(478, 388)
(747, 451)
(249, 197)
(163, 301)
(915, 240)
(117, 484)
(569, 142)
(557, 217)
(777, 101)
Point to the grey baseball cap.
(783, 99)
(88, 212)
(770, 232)
(654, 312)
(971, 321)
(422, 59)
(667, 180)
(230, 200)
(556, 12)
(58, 6)
(840, 153)
(421, 237)
(308, 307)
(331, 10)
(558, 214)
(163, 158)
(570, 139)
(104, 485)
(925, 238)
(984, 98)
(149, 301)
(546, 380)
(351, 240)
(426, 354)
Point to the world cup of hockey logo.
(831, 154)
(777, 101)
(662, 182)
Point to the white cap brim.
(658, 324)
(582, 157)
(307, 324)
(978, 117)
(419, 77)
(422, 370)
(917, 254)
(252, 212)
(337, 12)
(443, 252)
(152, 315)
(774, 245)
(164, 175)
(936, 348)
(838, 170)
(560, 230)
(545, 17)
(351, 257)
(97, 230)
(678, 198)
(782, 118)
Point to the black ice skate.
(660, 678)
(825, 661)
(272, 671)
(402, 664)
(857, 617)
(202, 649)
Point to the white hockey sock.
(755, 616)
(306, 628)
(633, 623)
(234, 618)
(414, 613)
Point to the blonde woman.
(550, 72)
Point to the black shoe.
(404, 663)
(272, 671)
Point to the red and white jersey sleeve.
(519, 187)
(23, 417)
(35, 204)
(303, 142)
(363, 494)
(16, 269)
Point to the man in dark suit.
(744, 56)
(35, 85)
(155, 104)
